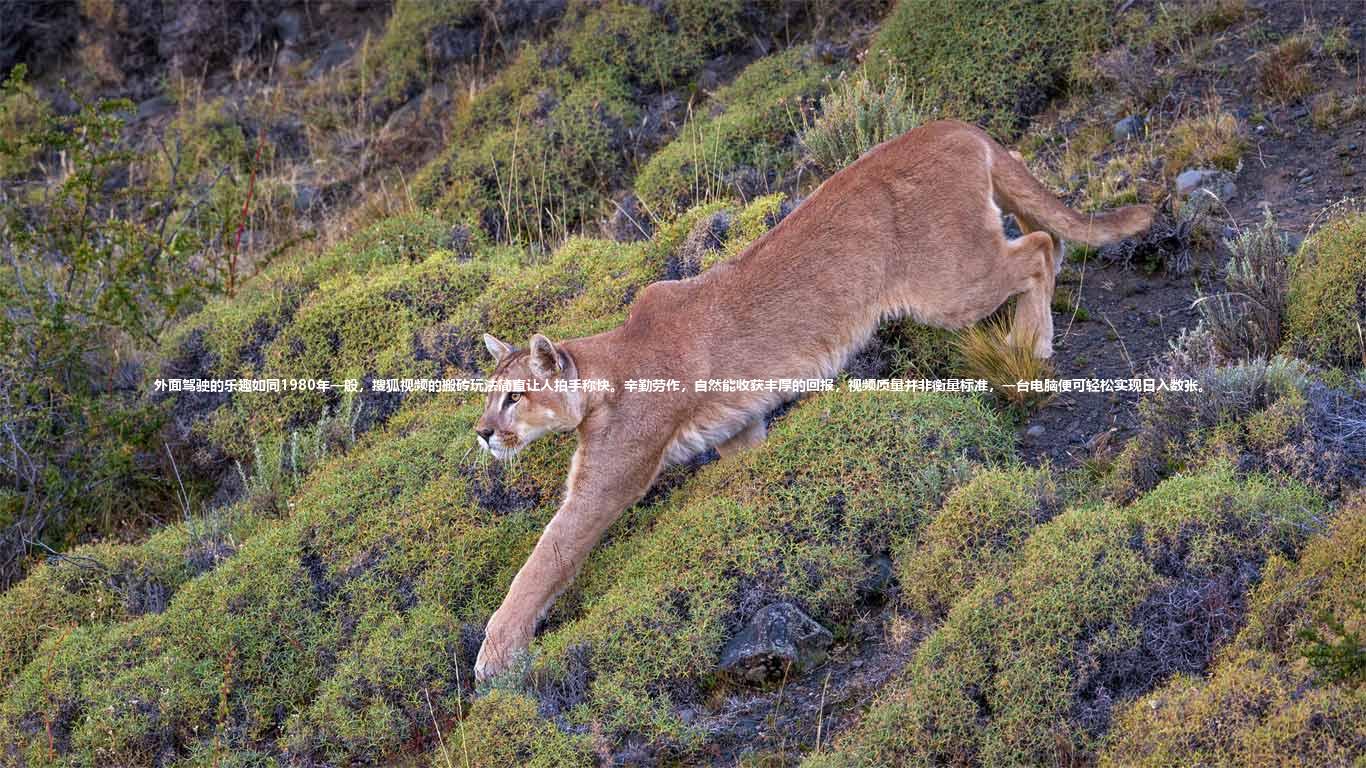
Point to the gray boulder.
(779, 641)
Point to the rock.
(288, 58)
(1219, 183)
(877, 581)
(1036, 431)
(157, 105)
(447, 45)
(1130, 127)
(707, 236)
(333, 56)
(780, 641)
(462, 242)
(403, 119)
(439, 95)
(629, 222)
(289, 26)
(305, 197)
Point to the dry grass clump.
(1285, 74)
(988, 354)
(1212, 138)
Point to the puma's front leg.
(748, 437)
(599, 493)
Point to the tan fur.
(912, 228)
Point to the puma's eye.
(513, 397)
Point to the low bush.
(1262, 704)
(857, 115)
(1245, 321)
(745, 144)
(1326, 306)
(993, 62)
(1101, 605)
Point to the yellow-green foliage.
(976, 534)
(995, 684)
(1213, 138)
(990, 354)
(327, 632)
(754, 131)
(1263, 704)
(838, 480)
(235, 329)
(992, 61)
(1326, 306)
(91, 584)
(21, 111)
(400, 58)
(530, 156)
(504, 729)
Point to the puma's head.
(524, 403)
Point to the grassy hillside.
(348, 192)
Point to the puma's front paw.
(504, 645)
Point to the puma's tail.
(1018, 192)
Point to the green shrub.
(1026, 666)
(531, 157)
(1326, 306)
(95, 270)
(1262, 704)
(839, 479)
(400, 58)
(857, 115)
(505, 729)
(993, 62)
(975, 535)
(753, 135)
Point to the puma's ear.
(545, 358)
(498, 349)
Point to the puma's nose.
(484, 432)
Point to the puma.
(912, 228)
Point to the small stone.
(877, 580)
(154, 106)
(1216, 182)
(462, 242)
(1036, 431)
(288, 27)
(305, 197)
(780, 641)
(287, 59)
(1130, 127)
(333, 56)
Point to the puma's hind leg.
(1031, 259)
(751, 435)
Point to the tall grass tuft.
(987, 354)
(859, 114)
